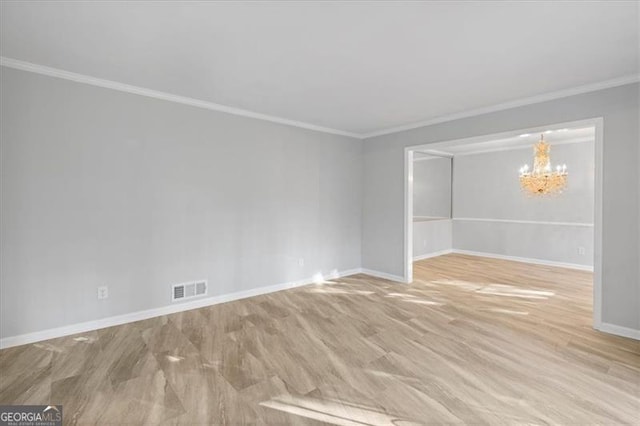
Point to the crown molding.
(142, 91)
(593, 87)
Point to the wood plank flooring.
(471, 340)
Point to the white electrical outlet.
(103, 292)
(424, 243)
(301, 262)
(581, 251)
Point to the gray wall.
(532, 241)
(105, 188)
(497, 196)
(383, 198)
(431, 236)
(101, 188)
(432, 187)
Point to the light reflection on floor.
(337, 413)
(333, 290)
(496, 289)
(512, 291)
(333, 286)
(413, 299)
(507, 311)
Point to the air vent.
(188, 290)
(178, 292)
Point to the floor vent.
(188, 290)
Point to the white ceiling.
(526, 140)
(359, 67)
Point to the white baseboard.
(619, 330)
(434, 254)
(84, 327)
(382, 275)
(526, 260)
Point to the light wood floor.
(472, 340)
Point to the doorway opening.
(432, 220)
(478, 207)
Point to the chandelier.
(542, 179)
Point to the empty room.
(319, 212)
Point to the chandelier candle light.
(542, 179)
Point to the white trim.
(383, 275)
(430, 156)
(84, 327)
(435, 153)
(408, 215)
(619, 330)
(433, 254)
(142, 91)
(527, 222)
(439, 147)
(429, 218)
(598, 219)
(109, 84)
(525, 260)
(629, 79)
(524, 146)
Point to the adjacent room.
(319, 212)
(466, 199)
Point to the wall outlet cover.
(103, 292)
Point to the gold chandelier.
(542, 179)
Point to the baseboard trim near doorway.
(526, 260)
(383, 275)
(618, 330)
(433, 254)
